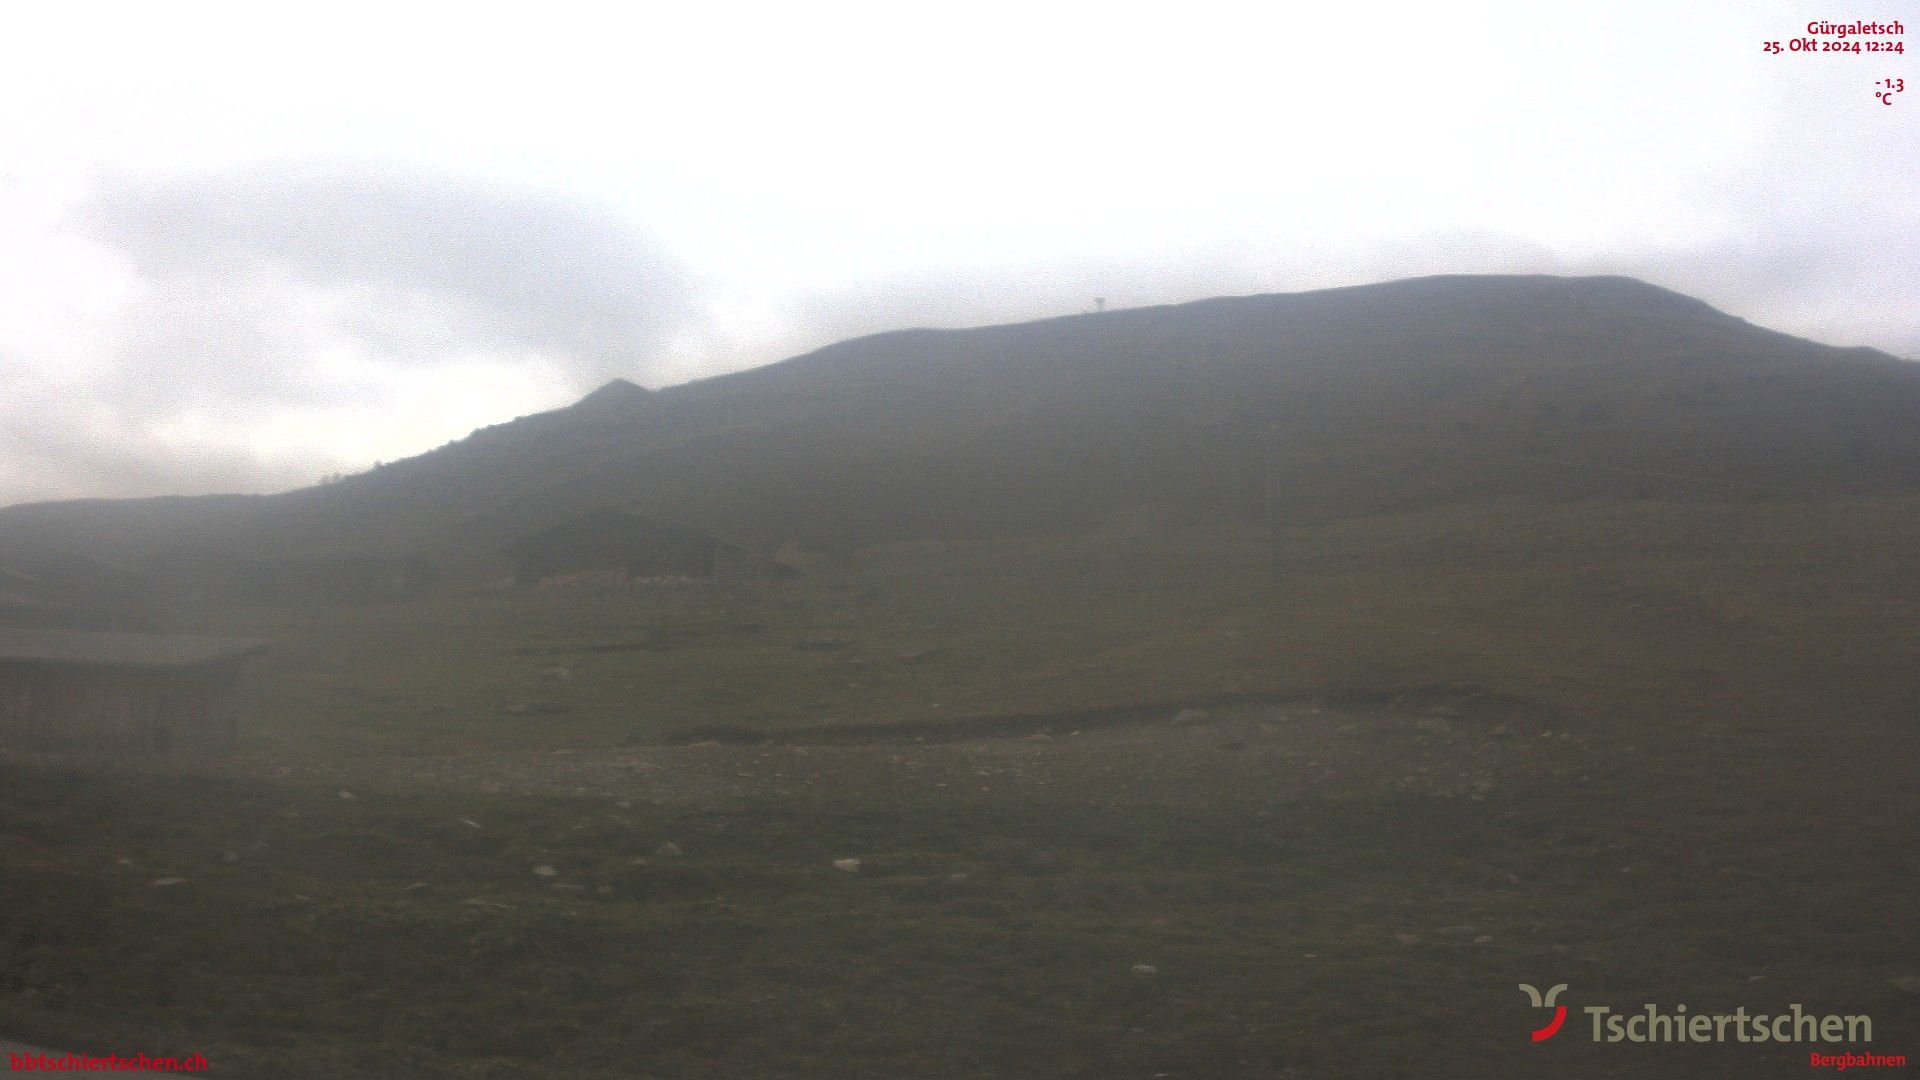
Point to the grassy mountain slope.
(1384, 397)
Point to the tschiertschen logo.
(1651, 1023)
(1547, 1002)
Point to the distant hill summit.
(1341, 401)
(618, 393)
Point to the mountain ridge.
(1358, 399)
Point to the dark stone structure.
(119, 694)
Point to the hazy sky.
(243, 246)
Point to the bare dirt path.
(1249, 751)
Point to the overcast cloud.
(242, 247)
(408, 266)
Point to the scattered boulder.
(851, 866)
(668, 850)
(543, 870)
(1191, 717)
(1145, 971)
